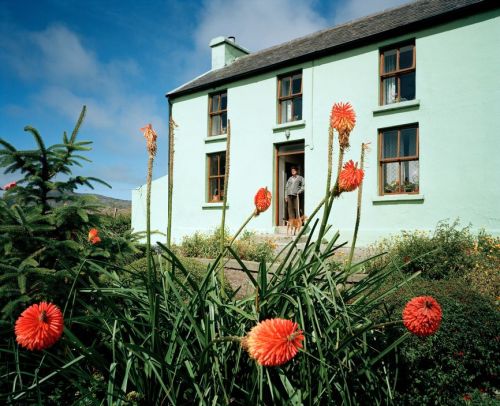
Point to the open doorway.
(287, 156)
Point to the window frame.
(292, 96)
(398, 159)
(220, 177)
(397, 72)
(219, 112)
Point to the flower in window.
(262, 200)
(273, 342)
(39, 326)
(343, 119)
(350, 177)
(422, 316)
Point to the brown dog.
(294, 225)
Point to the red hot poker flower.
(350, 177)
(9, 185)
(150, 135)
(39, 326)
(93, 237)
(422, 316)
(262, 200)
(273, 342)
(343, 119)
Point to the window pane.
(223, 101)
(297, 84)
(286, 111)
(297, 108)
(214, 166)
(390, 90)
(285, 87)
(390, 177)
(215, 103)
(406, 57)
(221, 187)
(224, 123)
(213, 192)
(408, 142)
(222, 163)
(390, 144)
(410, 176)
(408, 86)
(215, 125)
(390, 61)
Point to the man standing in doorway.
(293, 189)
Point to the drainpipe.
(311, 142)
(169, 177)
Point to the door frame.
(277, 156)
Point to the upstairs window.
(398, 160)
(290, 97)
(397, 74)
(218, 113)
(216, 174)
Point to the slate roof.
(407, 18)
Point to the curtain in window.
(390, 91)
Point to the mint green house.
(424, 80)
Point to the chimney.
(225, 51)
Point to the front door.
(287, 155)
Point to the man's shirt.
(294, 185)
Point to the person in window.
(293, 190)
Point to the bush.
(461, 358)
(444, 254)
(207, 245)
(485, 277)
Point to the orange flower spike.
(39, 326)
(262, 200)
(273, 342)
(343, 119)
(93, 233)
(350, 177)
(150, 135)
(95, 240)
(422, 316)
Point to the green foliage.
(444, 254)
(485, 276)
(207, 245)
(44, 224)
(461, 358)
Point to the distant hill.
(110, 202)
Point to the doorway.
(287, 156)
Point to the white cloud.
(256, 24)
(347, 10)
(72, 75)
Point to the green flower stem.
(328, 184)
(358, 208)
(224, 206)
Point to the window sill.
(398, 199)
(396, 106)
(213, 206)
(216, 138)
(290, 124)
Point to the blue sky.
(121, 57)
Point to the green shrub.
(207, 245)
(461, 358)
(485, 276)
(445, 253)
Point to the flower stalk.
(171, 134)
(364, 149)
(224, 203)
